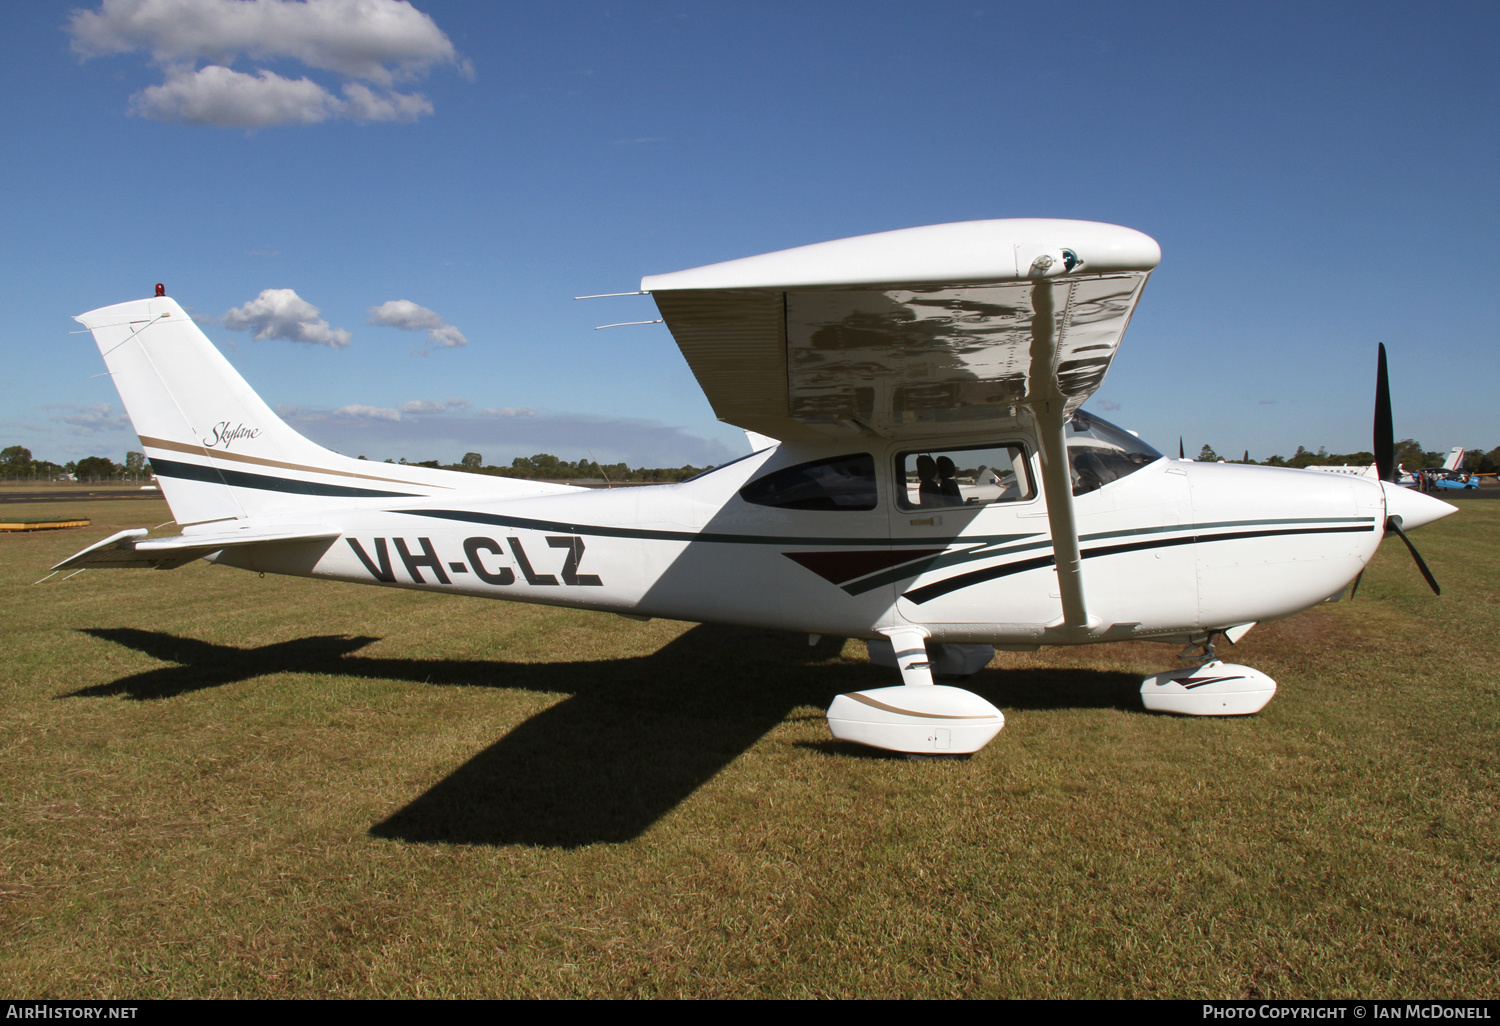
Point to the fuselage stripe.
(979, 546)
(221, 454)
(928, 592)
(240, 479)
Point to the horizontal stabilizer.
(128, 549)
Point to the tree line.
(1409, 454)
(17, 464)
(547, 467)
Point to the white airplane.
(1454, 462)
(929, 482)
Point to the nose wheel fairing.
(1211, 689)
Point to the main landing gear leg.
(917, 717)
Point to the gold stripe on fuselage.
(218, 454)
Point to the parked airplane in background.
(933, 485)
(1451, 479)
(1454, 463)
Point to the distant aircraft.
(1403, 476)
(1371, 471)
(931, 483)
(1452, 479)
(1449, 476)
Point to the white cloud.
(1105, 404)
(357, 411)
(281, 313)
(510, 411)
(404, 314)
(217, 95)
(434, 405)
(378, 41)
(90, 420)
(361, 103)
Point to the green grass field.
(221, 785)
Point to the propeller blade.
(1385, 436)
(1354, 590)
(1394, 524)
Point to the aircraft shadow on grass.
(636, 738)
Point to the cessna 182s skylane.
(929, 482)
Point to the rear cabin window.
(839, 483)
(938, 478)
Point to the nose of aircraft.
(1413, 507)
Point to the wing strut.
(1049, 407)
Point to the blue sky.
(1321, 178)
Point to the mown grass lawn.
(221, 785)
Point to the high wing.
(958, 329)
(909, 332)
(127, 549)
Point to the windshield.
(1099, 452)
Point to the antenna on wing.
(607, 482)
(621, 324)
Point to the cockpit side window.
(1099, 452)
(934, 478)
(839, 483)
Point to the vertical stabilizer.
(218, 451)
